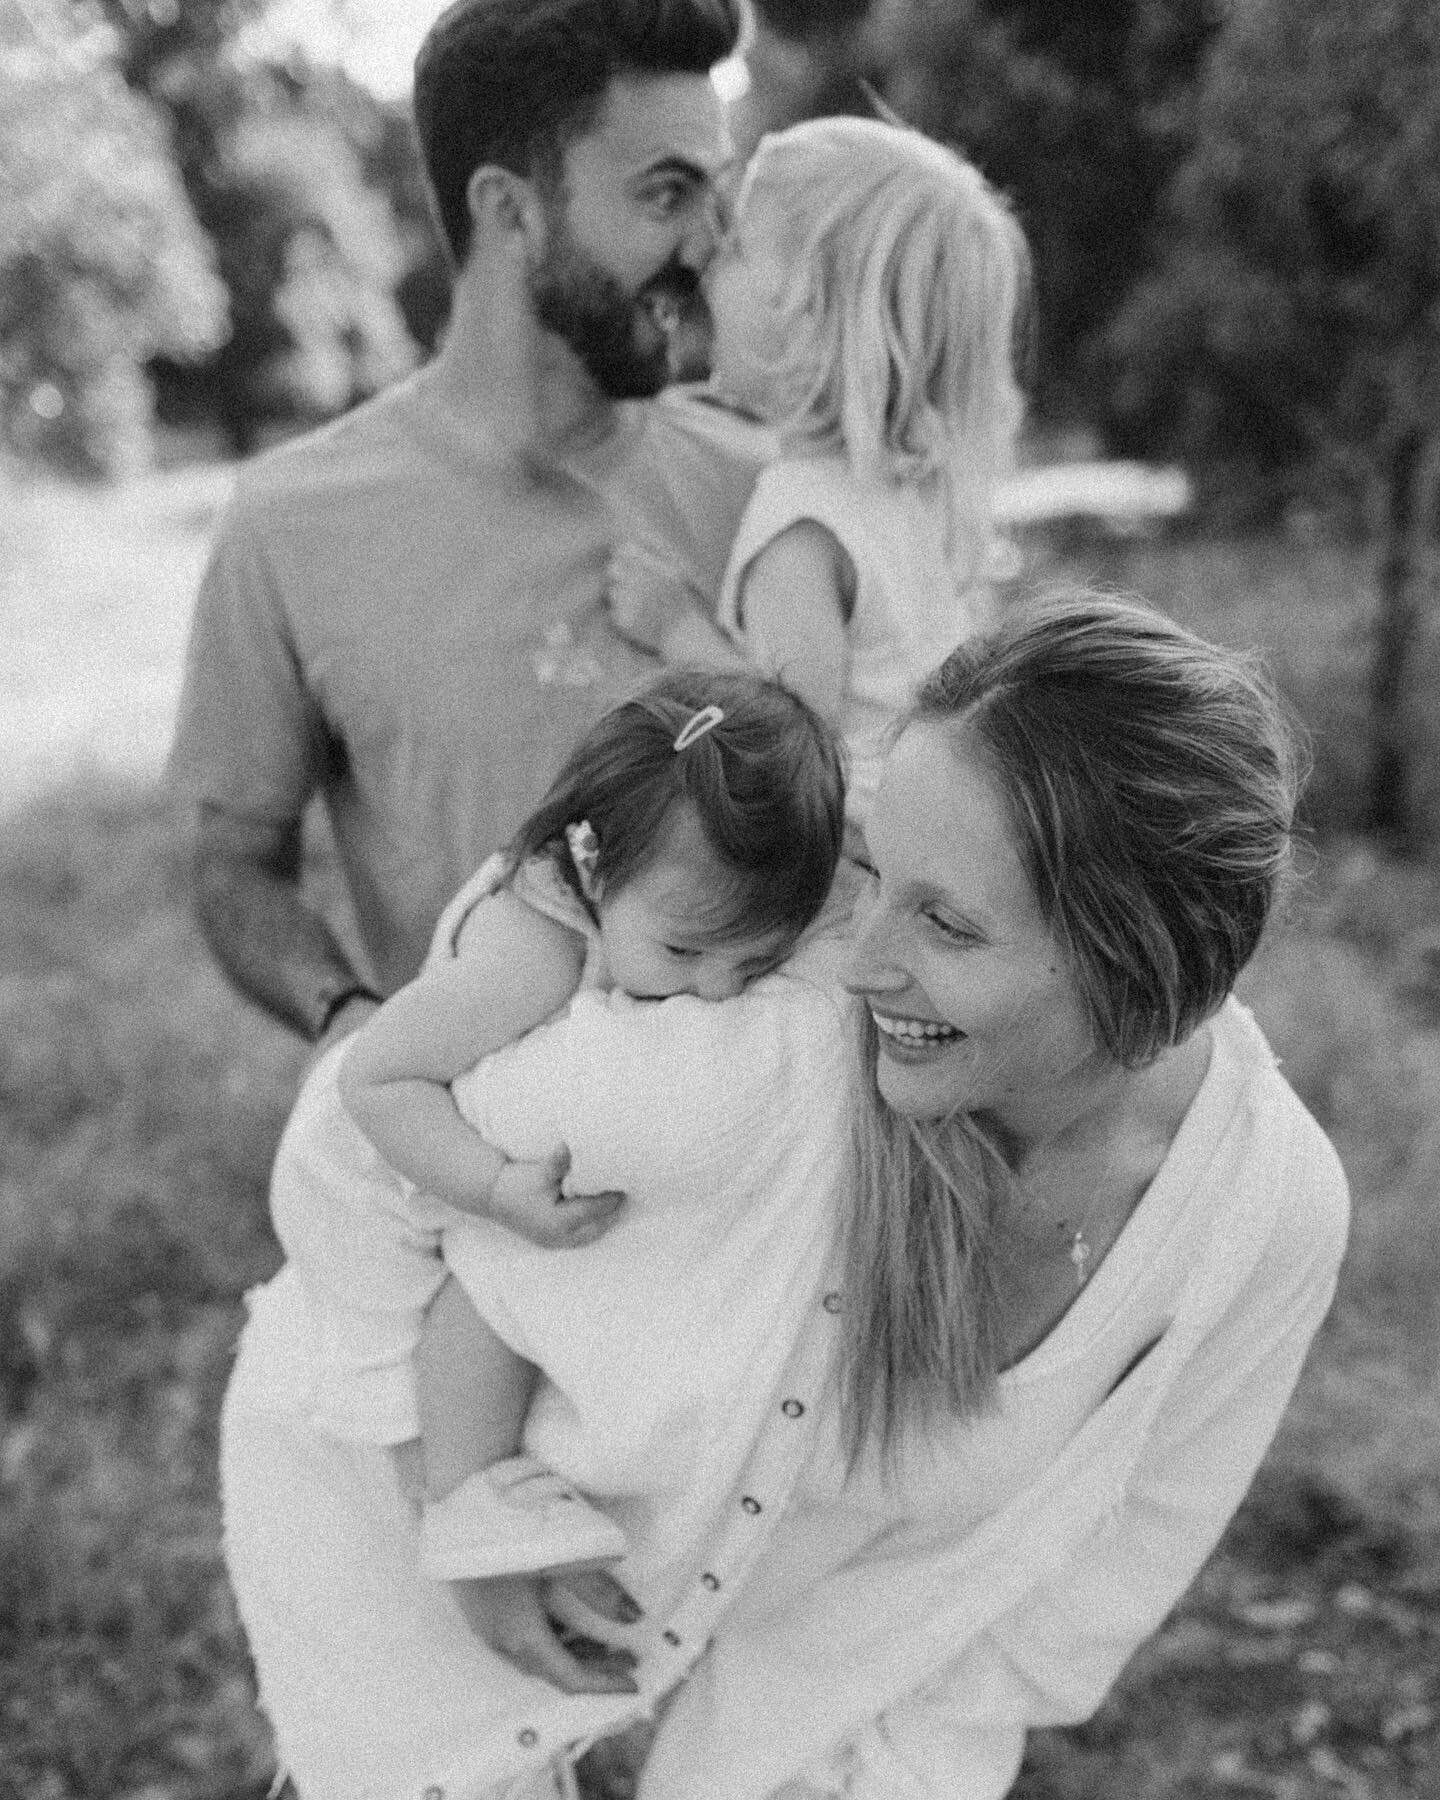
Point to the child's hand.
(646, 593)
(527, 1199)
(510, 1614)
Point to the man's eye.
(668, 197)
(685, 952)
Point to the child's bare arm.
(516, 969)
(795, 597)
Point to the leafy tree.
(102, 264)
(311, 259)
(310, 251)
(1293, 332)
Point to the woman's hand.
(527, 1199)
(510, 1613)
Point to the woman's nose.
(872, 966)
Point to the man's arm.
(276, 949)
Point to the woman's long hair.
(922, 1338)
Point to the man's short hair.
(513, 82)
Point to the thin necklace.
(1080, 1247)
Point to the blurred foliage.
(1289, 341)
(1292, 324)
(102, 263)
(309, 247)
(142, 157)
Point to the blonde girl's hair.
(906, 280)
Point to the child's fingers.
(510, 1614)
(588, 1216)
(601, 1593)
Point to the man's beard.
(624, 341)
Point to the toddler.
(689, 840)
(865, 305)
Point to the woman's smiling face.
(972, 1000)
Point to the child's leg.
(473, 1392)
(491, 1511)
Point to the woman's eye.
(949, 929)
(685, 952)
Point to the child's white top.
(909, 611)
(660, 1343)
(662, 1338)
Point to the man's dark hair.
(512, 82)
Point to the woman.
(1088, 1237)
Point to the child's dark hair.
(767, 785)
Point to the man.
(403, 613)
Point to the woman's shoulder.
(1283, 1141)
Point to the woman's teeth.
(914, 1031)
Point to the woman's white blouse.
(884, 1644)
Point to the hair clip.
(584, 849)
(705, 720)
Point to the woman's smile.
(913, 1039)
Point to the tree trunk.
(1395, 631)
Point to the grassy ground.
(139, 1104)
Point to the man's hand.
(527, 1199)
(646, 593)
(512, 1615)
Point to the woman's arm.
(516, 968)
(795, 597)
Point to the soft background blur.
(212, 235)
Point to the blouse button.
(831, 1302)
(672, 1638)
(710, 1581)
(529, 1738)
(792, 1409)
(750, 1504)
(433, 1793)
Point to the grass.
(139, 1106)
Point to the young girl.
(865, 304)
(684, 847)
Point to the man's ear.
(505, 207)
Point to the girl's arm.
(516, 968)
(795, 598)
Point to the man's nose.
(707, 230)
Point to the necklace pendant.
(1080, 1256)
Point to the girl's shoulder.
(794, 480)
(535, 883)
